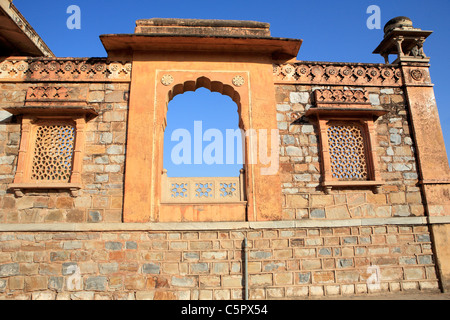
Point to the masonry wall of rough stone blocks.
(300, 160)
(101, 197)
(314, 253)
(283, 263)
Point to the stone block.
(316, 291)
(321, 200)
(214, 255)
(332, 290)
(145, 295)
(135, 282)
(112, 245)
(35, 283)
(297, 201)
(232, 281)
(200, 267)
(9, 269)
(414, 273)
(108, 267)
(318, 213)
(209, 281)
(178, 281)
(347, 276)
(297, 291)
(294, 151)
(337, 212)
(260, 279)
(283, 278)
(311, 264)
(275, 293)
(323, 277)
(151, 268)
(97, 283)
(14, 283)
(299, 97)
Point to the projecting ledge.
(211, 226)
(19, 188)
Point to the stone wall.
(208, 264)
(324, 246)
(300, 161)
(100, 199)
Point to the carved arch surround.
(172, 83)
(153, 84)
(213, 81)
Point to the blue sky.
(331, 31)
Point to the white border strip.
(211, 226)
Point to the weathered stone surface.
(151, 268)
(96, 283)
(9, 269)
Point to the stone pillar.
(402, 39)
(432, 161)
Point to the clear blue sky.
(331, 30)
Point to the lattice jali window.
(347, 151)
(53, 152)
(50, 154)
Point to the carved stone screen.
(53, 153)
(347, 154)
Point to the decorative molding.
(341, 96)
(55, 100)
(343, 103)
(327, 73)
(55, 93)
(180, 226)
(47, 93)
(64, 69)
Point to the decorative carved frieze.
(324, 73)
(56, 92)
(341, 96)
(55, 98)
(47, 93)
(64, 69)
(337, 103)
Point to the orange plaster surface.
(149, 98)
(202, 212)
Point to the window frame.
(373, 173)
(347, 106)
(30, 123)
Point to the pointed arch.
(211, 85)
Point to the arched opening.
(203, 147)
(203, 136)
